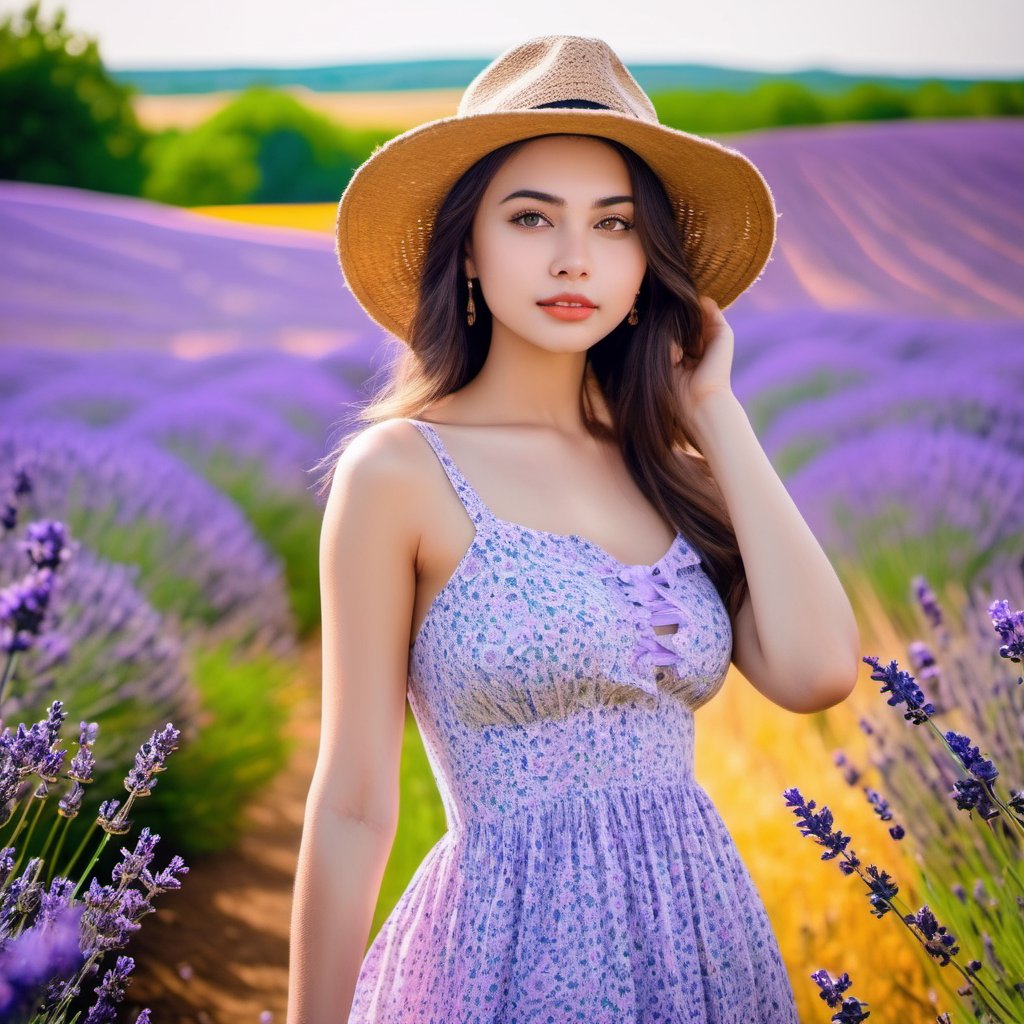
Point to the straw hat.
(723, 205)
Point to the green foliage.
(770, 402)
(788, 103)
(198, 806)
(65, 120)
(263, 147)
(288, 522)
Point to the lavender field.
(880, 354)
(169, 380)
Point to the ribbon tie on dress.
(649, 587)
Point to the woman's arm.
(367, 584)
(795, 636)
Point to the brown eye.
(626, 224)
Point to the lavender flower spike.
(970, 757)
(47, 546)
(1010, 627)
(23, 606)
(903, 688)
(819, 827)
(938, 942)
(831, 990)
(110, 992)
(927, 600)
(851, 1010)
(150, 760)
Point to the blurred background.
(177, 349)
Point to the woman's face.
(576, 237)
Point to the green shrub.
(241, 746)
(263, 147)
(65, 120)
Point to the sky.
(913, 37)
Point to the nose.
(572, 256)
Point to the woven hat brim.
(723, 205)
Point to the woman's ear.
(470, 266)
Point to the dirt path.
(216, 952)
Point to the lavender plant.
(906, 499)
(51, 942)
(950, 801)
(197, 556)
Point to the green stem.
(12, 658)
(60, 846)
(972, 979)
(26, 803)
(95, 857)
(81, 846)
(35, 818)
(49, 839)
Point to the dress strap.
(471, 501)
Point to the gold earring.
(633, 319)
(470, 306)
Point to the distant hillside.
(457, 74)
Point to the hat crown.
(557, 70)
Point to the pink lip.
(568, 312)
(567, 297)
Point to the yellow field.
(305, 216)
(394, 110)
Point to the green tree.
(63, 119)
(263, 147)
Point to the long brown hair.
(631, 365)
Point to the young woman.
(553, 535)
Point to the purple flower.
(49, 948)
(23, 606)
(878, 803)
(106, 643)
(83, 763)
(970, 757)
(831, 990)
(150, 760)
(112, 820)
(818, 825)
(110, 992)
(9, 509)
(928, 602)
(850, 772)
(971, 795)
(903, 688)
(108, 921)
(883, 889)
(28, 751)
(938, 943)
(47, 544)
(852, 1012)
(6, 864)
(134, 862)
(164, 880)
(1010, 627)
(71, 802)
(54, 900)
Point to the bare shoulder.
(380, 477)
(388, 448)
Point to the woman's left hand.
(697, 379)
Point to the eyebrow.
(544, 197)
